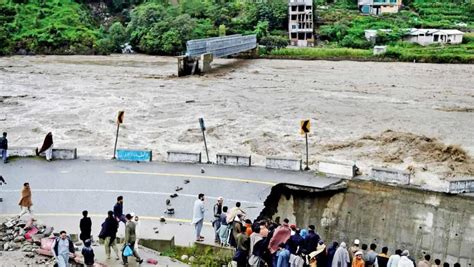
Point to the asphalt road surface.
(61, 190)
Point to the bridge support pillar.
(188, 66)
(206, 60)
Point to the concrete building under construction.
(300, 25)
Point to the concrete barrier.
(234, 160)
(390, 175)
(133, 155)
(219, 251)
(58, 153)
(182, 156)
(157, 244)
(339, 169)
(64, 153)
(461, 186)
(21, 151)
(283, 164)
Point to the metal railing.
(221, 46)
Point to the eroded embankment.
(398, 217)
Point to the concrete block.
(133, 155)
(64, 153)
(284, 163)
(58, 153)
(21, 151)
(339, 169)
(390, 175)
(380, 50)
(182, 156)
(234, 160)
(157, 244)
(461, 186)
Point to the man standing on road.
(130, 238)
(85, 226)
(109, 233)
(198, 216)
(62, 248)
(25, 201)
(217, 216)
(118, 210)
(4, 147)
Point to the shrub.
(274, 42)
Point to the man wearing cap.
(357, 261)
(217, 215)
(405, 261)
(354, 248)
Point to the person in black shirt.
(85, 226)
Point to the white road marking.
(151, 218)
(222, 178)
(76, 190)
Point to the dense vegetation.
(153, 26)
(164, 26)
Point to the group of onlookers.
(265, 242)
(62, 246)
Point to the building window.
(308, 7)
(309, 35)
(294, 17)
(300, 8)
(293, 35)
(293, 8)
(301, 36)
(293, 27)
(435, 38)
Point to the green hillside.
(163, 27)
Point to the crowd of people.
(265, 242)
(63, 247)
(262, 242)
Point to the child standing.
(88, 253)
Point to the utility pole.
(119, 121)
(203, 129)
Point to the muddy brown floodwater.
(403, 115)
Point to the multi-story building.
(376, 7)
(301, 25)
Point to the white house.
(377, 7)
(431, 36)
(422, 36)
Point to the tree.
(118, 36)
(261, 30)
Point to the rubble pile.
(24, 235)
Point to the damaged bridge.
(200, 53)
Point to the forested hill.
(163, 27)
